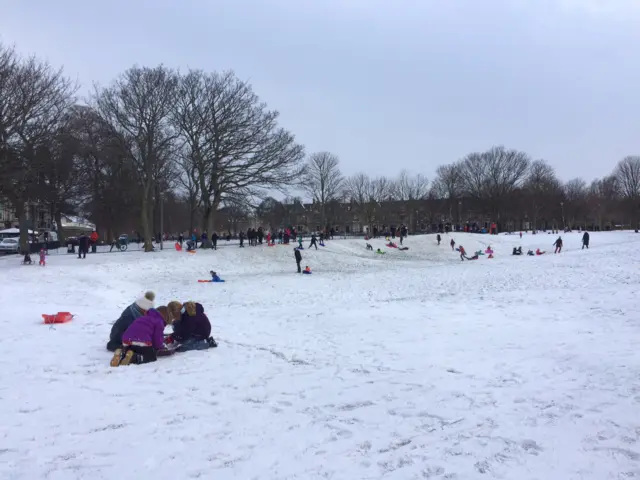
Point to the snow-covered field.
(410, 365)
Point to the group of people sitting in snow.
(138, 337)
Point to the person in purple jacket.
(144, 337)
(193, 329)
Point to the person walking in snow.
(558, 245)
(298, 257)
(585, 240)
(241, 239)
(83, 246)
(463, 253)
(453, 244)
(314, 241)
(43, 257)
(214, 240)
(299, 240)
(439, 239)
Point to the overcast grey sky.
(384, 84)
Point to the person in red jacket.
(93, 238)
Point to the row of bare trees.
(502, 184)
(197, 140)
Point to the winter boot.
(117, 357)
(212, 343)
(126, 360)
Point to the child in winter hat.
(146, 303)
(175, 308)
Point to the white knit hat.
(146, 302)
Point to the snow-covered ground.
(410, 365)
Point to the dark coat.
(197, 327)
(129, 314)
(298, 256)
(585, 238)
(83, 241)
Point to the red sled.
(204, 281)
(178, 247)
(60, 317)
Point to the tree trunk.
(24, 230)
(144, 220)
(58, 219)
(211, 220)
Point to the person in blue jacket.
(215, 278)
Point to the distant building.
(39, 218)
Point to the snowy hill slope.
(408, 365)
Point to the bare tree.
(627, 174)
(575, 193)
(542, 189)
(60, 167)
(411, 190)
(189, 184)
(137, 107)
(235, 144)
(33, 99)
(409, 187)
(492, 176)
(368, 194)
(108, 188)
(602, 197)
(448, 182)
(322, 180)
(272, 212)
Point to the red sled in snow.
(60, 317)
